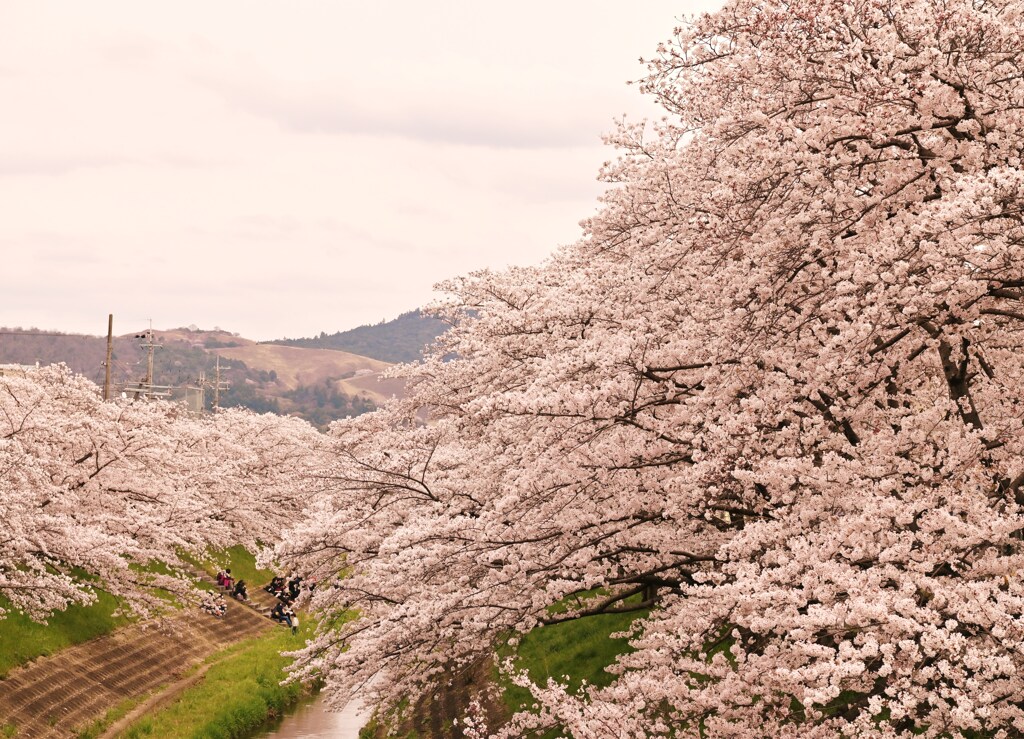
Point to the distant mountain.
(400, 340)
(316, 384)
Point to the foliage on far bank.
(96, 492)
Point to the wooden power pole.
(110, 355)
(150, 345)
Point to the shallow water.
(312, 719)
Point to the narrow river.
(312, 719)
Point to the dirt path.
(56, 696)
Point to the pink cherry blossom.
(91, 492)
(774, 395)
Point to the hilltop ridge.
(319, 378)
(401, 339)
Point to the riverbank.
(58, 696)
(239, 693)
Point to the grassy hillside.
(573, 653)
(399, 340)
(295, 367)
(24, 639)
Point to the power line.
(46, 333)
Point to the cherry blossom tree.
(772, 401)
(91, 493)
(268, 466)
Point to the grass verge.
(97, 727)
(238, 694)
(571, 653)
(239, 560)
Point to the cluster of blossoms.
(773, 401)
(775, 395)
(92, 492)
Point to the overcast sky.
(281, 169)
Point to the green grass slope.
(571, 653)
(24, 639)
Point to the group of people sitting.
(286, 591)
(285, 614)
(236, 589)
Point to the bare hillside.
(297, 366)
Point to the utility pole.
(202, 391)
(110, 355)
(202, 384)
(146, 388)
(218, 386)
(150, 346)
